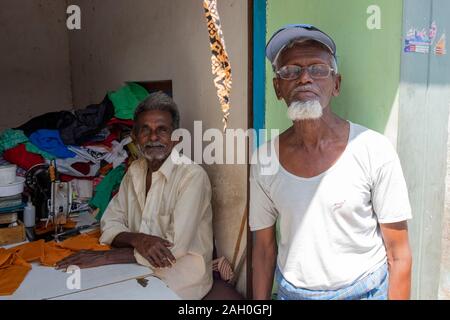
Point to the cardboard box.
(12, 235)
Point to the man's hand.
(155, 250)
(92, 259)
(84, 259)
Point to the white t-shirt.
(328, 224)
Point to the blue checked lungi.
(374, 286)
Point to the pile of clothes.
(91, 147)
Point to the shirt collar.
(165, 170)
(168, 165)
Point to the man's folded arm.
(115, 218)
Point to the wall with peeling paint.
(34, 64)
(45, 67)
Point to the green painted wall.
(369, 60)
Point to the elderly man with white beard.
(161, 217)
(338, 198)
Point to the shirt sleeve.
(193, 215)
(115, 218)
(263, 213)
(390, 194)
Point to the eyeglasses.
(315, 71)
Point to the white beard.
(308, 110)
(151, 156)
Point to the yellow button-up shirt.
(177, 208)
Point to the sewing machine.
(60, 202)
(51, 197)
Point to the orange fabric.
(18, 261)
(31, 251)
(95, 233)
(11, 278)
(14, 264)
(53, 253)
(13, 269)
(5, 258)
(83, 242)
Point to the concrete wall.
(34, 64)
(422, 143)
(444, 283)
(158, 40)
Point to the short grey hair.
(294, 42)
(159, 101)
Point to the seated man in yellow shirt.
(161, 216)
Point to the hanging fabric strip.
(221, 67)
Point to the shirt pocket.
(165, 221)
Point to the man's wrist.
(132, 240)
(119, 255)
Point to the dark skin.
(151, 127)
(309, 148)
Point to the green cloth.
(105, 188)
(33, 149)
(10, 138)
(126, 100)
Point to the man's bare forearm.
(263, 271)
(120, 255)
(92, 259)
(395, 236)
(400, 279)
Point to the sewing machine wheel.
(35, 175)
(37, 181)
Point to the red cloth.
(114, 121)
(67, 178)
(82, 167)
(22, 158)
